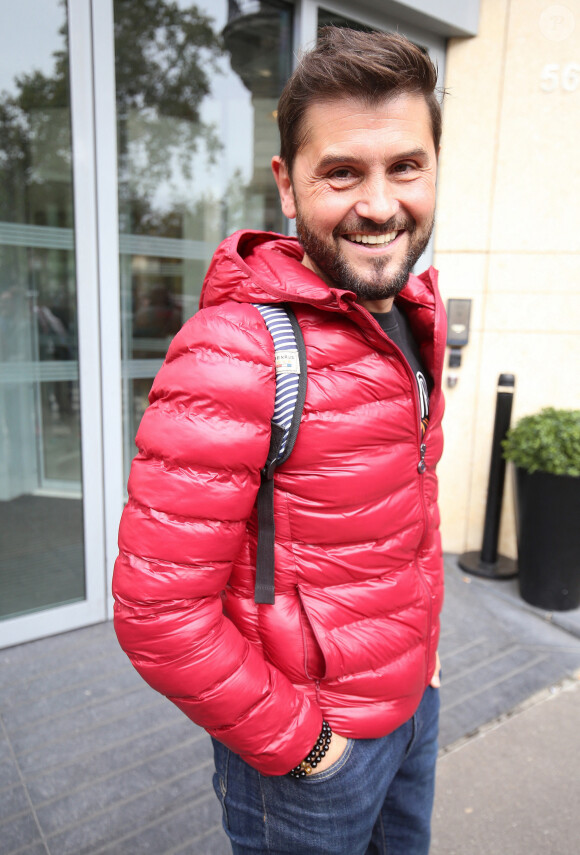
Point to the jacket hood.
(265, 267)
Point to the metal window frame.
(109, 279)
(306, 21)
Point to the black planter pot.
(548, 521)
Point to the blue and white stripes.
(287, 366)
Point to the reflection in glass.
(41, 536)
(197, 90)
(331, 19)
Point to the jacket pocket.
(314, 662)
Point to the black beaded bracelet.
(312, 760)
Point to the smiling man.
(323, 704)
(362, 190)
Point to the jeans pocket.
(332, 771)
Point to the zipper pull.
(422, 465)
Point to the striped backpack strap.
(290, 363)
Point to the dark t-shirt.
(396, 325)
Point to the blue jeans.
(375, 800)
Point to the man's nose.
(377, 202)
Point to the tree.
(165, 59)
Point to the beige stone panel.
(542, 313)
(545, 365)
(455, 469)
(463, 276)
(470, 123)
(537, 188)
(534, 273)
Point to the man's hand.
(334, 753)
(436, 678)
(338, 743)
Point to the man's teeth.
(380, 240)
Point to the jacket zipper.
(421, 469)
(421, 465)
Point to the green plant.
(548, 441)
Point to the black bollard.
(488, 563)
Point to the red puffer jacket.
(354, 629)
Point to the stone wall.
(508, 236)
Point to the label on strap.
(287, 362)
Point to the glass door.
(42, 534)
(197, 90)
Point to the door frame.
(109, 288)
(92, 343)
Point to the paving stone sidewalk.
(514, 788)
(92, 761)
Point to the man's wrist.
(313, 758)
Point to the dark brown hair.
(348, 63)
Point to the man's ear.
(282, 178)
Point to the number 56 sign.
(564, 78)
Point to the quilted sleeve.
(192, 487)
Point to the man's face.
(362, 191)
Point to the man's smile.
(378, 240)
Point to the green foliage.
(548, 441)
(167, 59)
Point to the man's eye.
(342, 173)
(402, 168)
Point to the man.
(351, 638)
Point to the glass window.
(197, 91)
(41, 533)
(331, 19)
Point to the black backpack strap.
(290, 357)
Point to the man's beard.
(381, 282)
